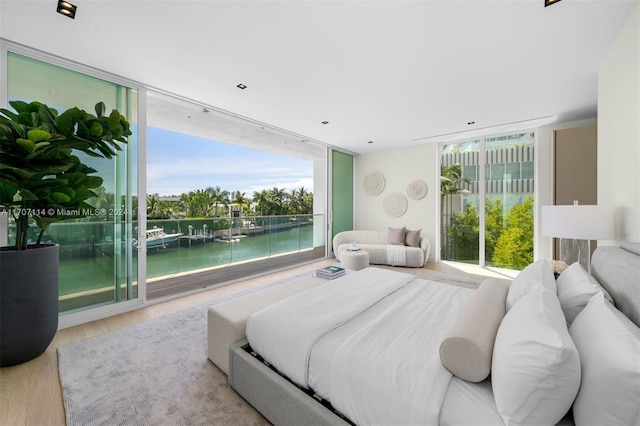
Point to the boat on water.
(227, 239)
(156, 237)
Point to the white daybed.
(396, 246)
(381, 347)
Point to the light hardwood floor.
(30, 393)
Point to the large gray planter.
(28, 302)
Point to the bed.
(382, 347)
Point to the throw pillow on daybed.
(535, 372)
(412, 238)
(535, 277)
(610, 359)
(396, 236)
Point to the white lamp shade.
(580, 222)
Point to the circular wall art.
(417, 190)
(374, 183)
(395, 204)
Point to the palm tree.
(261, 198)
(240, 199)
(278, 201)
(301, 201)
(218, 196)
(197, 203)
(152, 205)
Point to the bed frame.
(275, 397)
(282, 402)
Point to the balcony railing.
(95, 267)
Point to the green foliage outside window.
(508, 237)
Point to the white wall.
(403, 165)
(400, 167)
(619, 129)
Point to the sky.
(179, 163)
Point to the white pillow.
(535, 371)
(575, 288)
(610, 358)
(536, 276)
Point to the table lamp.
(576, 225)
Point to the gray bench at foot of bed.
(277, 399)
(226, 322)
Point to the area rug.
(152, 373)
(157, 373)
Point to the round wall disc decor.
(395, 204)
(417, 190)
(374, 183)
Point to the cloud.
(178, 164)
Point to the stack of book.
(330, 272)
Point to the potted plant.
(43, 182)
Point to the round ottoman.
(355, 260)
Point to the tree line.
(508, 235)
(215, 202)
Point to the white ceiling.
(397, 73)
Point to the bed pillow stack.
(610, 356)
(537, 276)
(535, 366)
(575, 288)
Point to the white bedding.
(284, 333)
(349, 357)
(473, 404)
(469, 404)
(369, 386)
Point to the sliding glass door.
(97, 256)
(487, 201)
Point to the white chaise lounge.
(396, 247)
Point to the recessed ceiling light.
(325, 122)
(471, 123)
(67, 9)
(241, 86)
(550, 2)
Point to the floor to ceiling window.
(487, 201)
(225, 194)
(97, 263)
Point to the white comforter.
(368, 342)
(284, 333)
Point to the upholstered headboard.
(617, 269)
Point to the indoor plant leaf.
(37, 168)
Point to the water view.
(90, 267)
